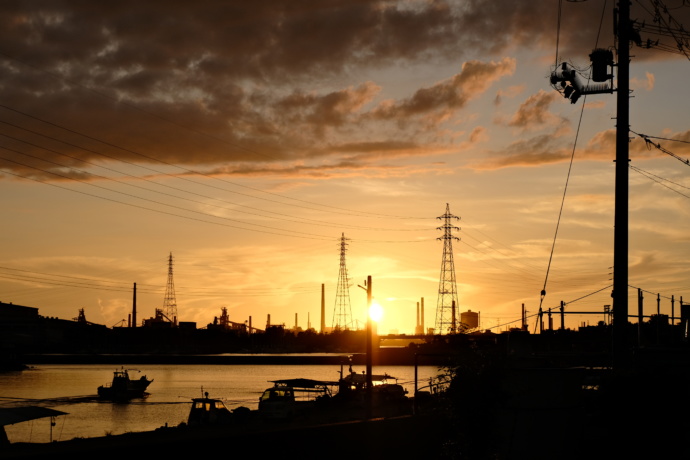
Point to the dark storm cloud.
(208, 82)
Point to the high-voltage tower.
(169, 302)
(447, 289)
(342, 315)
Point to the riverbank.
(382, 357)
(401, 437)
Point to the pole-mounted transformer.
(566, 81)
(601, 60)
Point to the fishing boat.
(342, 399)
(288, 398)
(122, 388)
(208, 411)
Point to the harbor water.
(73, 389)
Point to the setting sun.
(376, 312)
(266, 166)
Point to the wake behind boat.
(122, 388)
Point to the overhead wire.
(570, 166)
(328, 208)
(281, 215)
(679, 34)
(658, 146)
(158, 116)
(660, 180)
(302, 234)
(32, 277)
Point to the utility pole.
(134, 306)
(369, 351)
(565, 80)
(621, 352)
(323, 308)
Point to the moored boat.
(289, 398)
(122, 388)
(341, 400)
(208, 411)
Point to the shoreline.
(383, 357)
(375, 438)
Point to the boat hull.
(122, 388)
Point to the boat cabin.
(208, 411)
(290, 397)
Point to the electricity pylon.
(447, 289)
(342, 316)
(169, 302)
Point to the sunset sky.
(246, 137)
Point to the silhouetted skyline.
(245, 139)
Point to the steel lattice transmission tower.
(342, 315)
(169, 302)
(447, 288)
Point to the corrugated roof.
(11, 415)
(303, 383)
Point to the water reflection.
(72, 389)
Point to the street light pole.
(369, 351)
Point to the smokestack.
(250, 324)
(323, 308)
(268, 321)
(295, 321)
(422, 323)
(418, 326)
(134, 306)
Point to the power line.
(654, 178)
(281, 215)
(298, 235)
(322, 207)
(37, 277)
(661, 27)
(293, 233)
(650, 144)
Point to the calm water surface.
(72, 389)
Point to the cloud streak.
(223, 82)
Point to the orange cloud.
(451, 94)
(646, 84)
(536, 151)
(534, 112)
